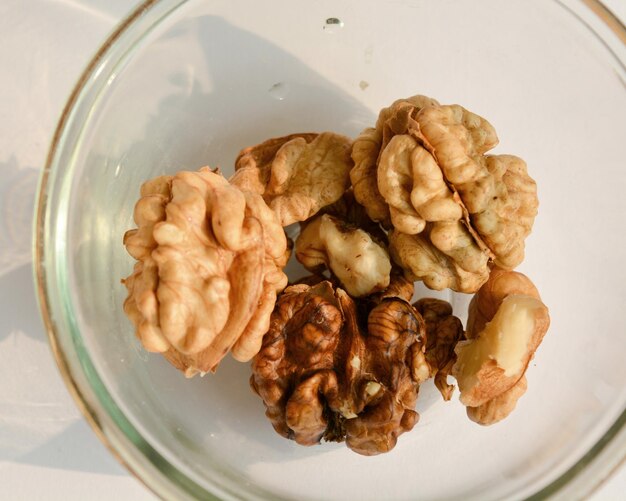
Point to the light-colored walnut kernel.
(459, 264)
(360, 263)
(424, 171)
(209, 266)
(297, 175)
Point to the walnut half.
(209, 266)
(507, 322)
(321, 375)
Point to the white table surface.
(47, 451)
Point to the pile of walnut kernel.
(340, 354)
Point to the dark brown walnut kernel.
(327, 370)
(443, 332)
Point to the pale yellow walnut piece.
(485, 304)
(209, 261)
(500, 407)
(456, 262)
(360, 263)
(297, 175)
(497, 192)
(512, 320)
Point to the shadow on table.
(76, 448)
(33, 405)
(18, 305)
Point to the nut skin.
(297, 175)
(423, 172)
(209, 266)
(498, 408)
(443, 332)
(332, 369)
(304, 332)
(486, 302)
(496, 394)
(391, 339)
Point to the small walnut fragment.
(341, 238)
(209, 266)
(360, 263)
(507, 322)
(423, 171)
(443, 332)
(321, 375)
(297, 175)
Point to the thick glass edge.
(104, 416)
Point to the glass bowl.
(183, 84)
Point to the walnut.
(297, 175)
(365, 153)
(462, 267)
(399, 286)
(499, 407)
(423, 171)
(443, 332)
(363, 175)
(343, 239)
(359, 262)
(209, 266)
(353, 213)
(507, 322)
(324, 374)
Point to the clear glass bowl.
(183, 84)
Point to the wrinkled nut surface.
(499, 407)
(443, 332)
(360, 263)
(462, 267)
(507, 322)
(297, 175)
(423, 171)
(209, 266)
(321, 376)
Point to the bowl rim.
(591, 471)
